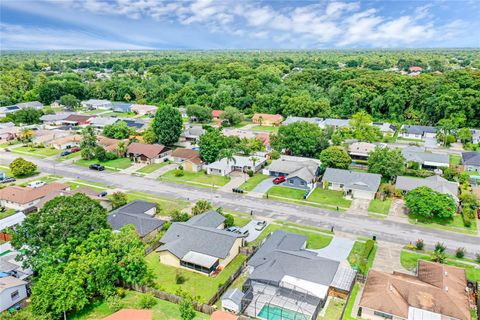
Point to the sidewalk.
(157, 173)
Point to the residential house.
(285, 276)
(426, 160)
(147, 153)
(216, 114)
(77, 120)
(143, 109)
(4, 111)
(475, 136)
(10, 222)
(140, 214)
(97, 104)
(5, 125)
(247, 134)
(9, 133)
(415, 69)
(471, 161)
(183, 112)
(385, 127)
(110, 144)
(131, 314)
(265, 119)
(189, 158)
(100, 122)
(225, 166)
(22, 198)
(354, 184)
(45, 137)
(417, 132)
(53, 120)
(11, 264)
(360, 150)
(264, 137)
(134, 123)
(437, 292)
(435, 182)
(12, 292)
(335, 123)
(209, 219)
(121, 107)
(66, 142)
(33, 105)
(301, 173)
(200, 247)
(192, 133)
(92, 194)
(291, 120)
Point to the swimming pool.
(270, 312)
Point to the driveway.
(253, 234)
(398, 211)
(157, 173)
(263, 186)
(235, 182)
(387, 258)
(359, 206)
(430, 142)
(337, 250)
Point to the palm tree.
(228, 154)
(254, 161)
(121, 149)
(26, 135)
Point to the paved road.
(385, 230)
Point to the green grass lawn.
(379, 206)
(265, 129)
(347, 315)
(69, 156)
(7, 170)
(167, 205)
(94, 111)
(455, 224)
(409, 260)
(9, 144)
(162, 309)
(152, 167)
(320, 197)
(455, 159)
(241, 218)
(196, 284)
(252, 182)
(77, 183)
(314, 240)
(7, 213)
(36, 152)
(116, 164)
(47, 179)
(196, 178)
(356, 254)
(120, 114)
(334, 309)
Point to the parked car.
(65, 153)
(36, 184)
(244, 233)
(103, 194)
(73, 150)
(97, 166)
(279, 180)
(7, 180)
(233, 229)
(260, 225)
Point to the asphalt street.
(360, 225)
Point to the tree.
(25, 116)
(70, 101)
(362, 128)
(201, 206)
(446, 126)
(387, 162)
(149, 136)
(464, 134)
(228, 154)
(229, 220)
(118, 199)
(300, 139)
(186, 309)
(179, 216)
(25, 135)
(335, 157)
(167, 125)
(121, 149)
(427, 203)
(232, 116)
(118, 130)
(201, 114)
(88, 143)
(211, 143)
(22, 168)
(61, 220)
(100, 153)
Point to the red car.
(73, 150)
(478, 213)
(279, 180)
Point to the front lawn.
(162, 309)
(252, 182)
(196, 179)
(77, 183)
(69, 156)
(455, 224)
(36, 152)
(455, 159)
(270, 129)
(347, 315)
(120, 114)
(167, 205)
(116, 164)
(379, 206)
(152, 167)
(7, 213)
(314, 240)
(409, 260)
(195, 284)
(356, 255)
(329, 199)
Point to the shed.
(232, 300)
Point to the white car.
(36, 184)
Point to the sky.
(237, 24)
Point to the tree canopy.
(335, 157)
(118, 130)
(211, 143)
(387, 162)
(22, 168)
(427, 203)
(167, 125)
(300, 139)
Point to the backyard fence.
(227, 284)
(152, 247)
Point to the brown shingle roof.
(148, 150)
(185, 153)
(67, 139)
(78, 118)
(92, 194)
(437, 288)
(24, 195)
(275, 118)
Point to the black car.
(65, 153)
(97, 166)
(103, 194)
(7, 180)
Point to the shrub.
(166, 225)
(274, 155)
(147, 301)
(477, 257)
(419, 245)
(438, 256)
(201, 206)
(179, 278)
(440, 247)
(22, 168)
(110, 156)
(114, 302)
(120, 292)
(179, 216)
(460, 253)
(178, 173)
(250, 173)
(229, 221)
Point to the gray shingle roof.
(291, 120)
(305, 170)
(336, 122)
(471, 158)
(210, 219)
(137, 207)
(436, 183)
(233, 294)
(134, 213)
(414, 129)
(353, 179)
(182, 238)
(418, 154)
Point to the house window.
(14, 295)
(290, 181)
(302, 183)
(383, 315)
(341, 185)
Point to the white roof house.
(101, 122)
(97, 104)
(12, 220)
(12, 291)
(225, 166)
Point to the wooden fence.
(152, 247)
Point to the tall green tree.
(167, 125)
(335, 157)
(118, 130)
(232, 115)
(362, 128)
(428, 203)
(88, 143)
(70, 101)
(300, 139)
(22, 168)
(387, 162)
(211, 143)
